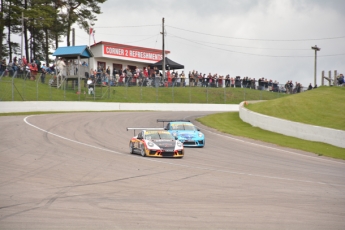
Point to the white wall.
(44, 106)
(294, 129)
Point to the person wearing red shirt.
(146, 73)
(169, 78)
(25, 62)
(33, 70)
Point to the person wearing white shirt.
(90, 86)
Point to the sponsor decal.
(131, 53)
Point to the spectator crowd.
(149, 76)
(21, 66)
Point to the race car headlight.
(200, 134)
(179, 144)
(150, 144)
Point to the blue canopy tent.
(73, 53)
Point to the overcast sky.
(254, 38)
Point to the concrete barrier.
(289, 128)
(295, 129)
(49, 106)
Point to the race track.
(74, 171)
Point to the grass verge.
(323, 106)
(230, 123)
(26, 90)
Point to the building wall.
(111, 61)
(99, 56)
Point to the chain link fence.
(21, 86)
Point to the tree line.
(42, 24)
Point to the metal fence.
(64, 86)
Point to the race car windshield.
(188, 127)
(157, 136)
(183, 127)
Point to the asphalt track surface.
(74, 171)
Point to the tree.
(2, 26)
(10, 18)
(40, 15)
(81, 12)
(60, 23)
(44, 23)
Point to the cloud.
(246, 35)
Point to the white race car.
(155, 142)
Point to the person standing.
(178, 79)
(173, 78)
(24, 61)
(146, 73)
(90, 86)
(183, 79)
(116, 75)
(61, 67)
(129, 76)
(43, 75)
(33, 70)
(38, 64)
(3, 67)
(110, 76)
(310, 87)
(227, 80)
(196, 77)
(168, 76)
(157, 77)
(204, 80)
(191, 78)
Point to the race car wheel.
(142, 152)
(131, 148)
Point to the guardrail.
(295, 129)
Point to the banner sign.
(139, 53)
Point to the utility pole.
(21, 45)
(73, 37)
(316, 49)
(90, 32)
(163, 67)
(22, 37)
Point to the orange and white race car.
(155, 142)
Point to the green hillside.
(324, 106)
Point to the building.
(119, 56)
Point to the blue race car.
(185, 132)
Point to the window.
(101, 64)
(132, 67)
(117, 66)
